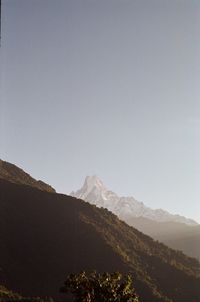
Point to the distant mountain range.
(95, 192)
(176, 235)
(176, 231)
(44, 236)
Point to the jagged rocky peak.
(93, 181)
(95, 192)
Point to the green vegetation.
(16, 175)
(164, 271)
(94, 287)
(51, 235)
(8, 295)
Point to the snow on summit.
(95, 192)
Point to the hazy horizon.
(108, 88)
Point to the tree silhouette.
(95, 287)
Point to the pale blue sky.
(108, 87)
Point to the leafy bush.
(100, 287)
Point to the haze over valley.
(99, 151)
(51, 235)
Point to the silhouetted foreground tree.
(100, 287)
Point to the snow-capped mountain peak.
(93, 181)
(95, 192)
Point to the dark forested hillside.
(14, 174)
(8, 295)
(45, 236)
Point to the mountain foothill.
(175, 231)
(44, 236)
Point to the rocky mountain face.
(45, 236)
(126, 208)
(16, 175)
(173, 230)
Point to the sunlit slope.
(45, 236)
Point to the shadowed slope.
(174, 230)
(45, 236)
(14, 174)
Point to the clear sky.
(107, 87)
